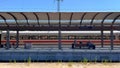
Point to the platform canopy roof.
(45, 21)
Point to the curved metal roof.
(52, 20)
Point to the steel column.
(17, 39)
(102, 33)
(102, 39)
(111, 38)
(8, 39)
(102, 27)
(59, 32)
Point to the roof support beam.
(14, 18)
(93, 18)
(102, 27)
(48, 18)
(112, 36)
(4, 20)
(115, 20)
(71, 18)
(105, 17)
(25, 17)
(82, 18)
(37, 18)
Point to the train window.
(29, 37)
(39, 37)
(77, 37)
(65, 37)
(71, 37)
(24, 37)
(81, 37)
(33, 37)
(86, 37)
(44, 37)
(53, 37)
(93, 37)
(21, 37)
(12, 37)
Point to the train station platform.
(54, 54)
(60, 21)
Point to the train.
(67, 37)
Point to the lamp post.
(59, 31)
(58, 5)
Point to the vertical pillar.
(102, 29)
(59, 32)
(68, 37)
(8, 39)
(17, 39)
(59, 39)
(75, 39)
(111, 38)
(102, 40)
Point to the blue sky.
(66, 5)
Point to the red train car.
(68, 37)
(64, 42)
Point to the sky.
(66, 5)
